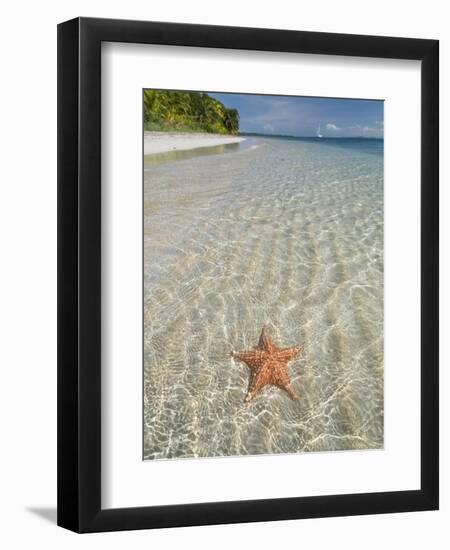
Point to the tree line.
(188, 112)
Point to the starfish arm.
(265, 342)
(291, 392)
(256, 383)
(253, 358)
(287, 354)
(280, 378)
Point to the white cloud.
(375, 131)
(290, 117)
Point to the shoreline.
(165, 142)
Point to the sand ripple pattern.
(287, 234)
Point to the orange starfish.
(268, 365)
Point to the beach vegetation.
(188, 112)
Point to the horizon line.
(308, 137)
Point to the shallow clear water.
(281, 233)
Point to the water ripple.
(289, 235)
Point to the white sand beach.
(163, 142)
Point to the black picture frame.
(79, 274)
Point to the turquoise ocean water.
(282, 233)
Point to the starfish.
(268, 365)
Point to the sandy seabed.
(281, 233)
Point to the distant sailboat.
(319, 135)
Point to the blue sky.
(300, 116)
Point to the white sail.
(319, 135)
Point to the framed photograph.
(247, 275)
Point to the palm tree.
(188, 110)
(231, 120)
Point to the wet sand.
(163, 142)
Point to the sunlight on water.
(282, 233)
(183, 154)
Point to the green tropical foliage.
(187, 112)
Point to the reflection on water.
(288, 235)
(183, 154)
